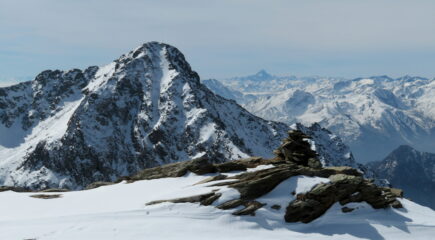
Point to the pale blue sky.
(223, 38)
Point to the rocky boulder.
(343, 189)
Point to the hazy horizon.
(222, 39)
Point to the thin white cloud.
(8, 83)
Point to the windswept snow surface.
(119, 212)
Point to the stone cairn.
(297, 149)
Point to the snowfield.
(119, 212)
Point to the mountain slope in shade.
(68, 129)
(377, 113)
(410, 170)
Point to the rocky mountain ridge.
(145, 109)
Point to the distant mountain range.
(372, 115)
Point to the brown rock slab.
(231, 204)
(204, 199)
(250, 208)
(98, 184)
(211, 179)
(46, 196)
(347, 209)
(55, 190)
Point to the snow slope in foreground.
(119, 212)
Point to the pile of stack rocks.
(297, 149)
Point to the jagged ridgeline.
(67, 129)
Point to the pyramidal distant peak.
(263, 73)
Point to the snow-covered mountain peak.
(144, 109)
(159, 61)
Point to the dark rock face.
(46, 196)
(250, 208)
(199, 166)
(410, 170)
(98, 184)
(31, 102)
(204, 199)
(15, 189)
(347, 209)
(252, 185)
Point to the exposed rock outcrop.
(343, 189)
(203, 199)
(98, 184)
(293, 158)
